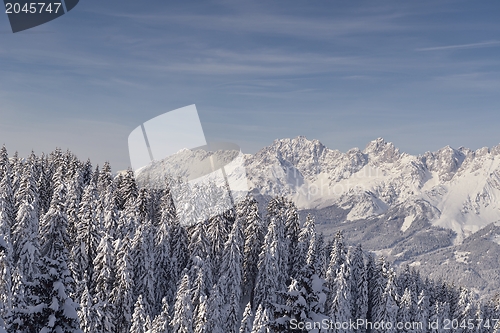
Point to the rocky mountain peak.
(381, 151)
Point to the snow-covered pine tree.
(359, 283)
(321, 256)
(201, 317)
(216, 309)
(276, 212)
(199, 245)
(405, 308)
(6, 250)
(128, 187)
(338, 257)
(88, 237)
(182, 322)
(27, 190)
(105, 179)
(164, 285)
(306, 295)
(218, 231)
(88, 320)
(122, 295)
(377, 283)
(143, 251)
(139, 324)
(4, 161)
(7, 197)
(95, 176)
(261, 323)
(161, 323)
(201, 282)
(231, 268)
(5, 279)
(17, 172)
(389, 302)
(374, 289)
(307, 232)
(270, 277)
(50, 309)
(110, 213)
(178, 249)
(423, 309)
(104, 269)
(87, 172)
(145, 204)
(25, 230)
(254, 237)
(73, 198)
(340, 310)
(246, 322)
(292, 229)
(465, 310)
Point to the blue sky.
(422, 74)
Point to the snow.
(461, 256)
(496, 239)
(407, 222)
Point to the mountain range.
(438, 211)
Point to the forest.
(86, 250)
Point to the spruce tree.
(88, 236)
(389, 302)
(261, 323)
(268, 281)
(338, 257)
(86, 314)
(246, 322)
(340, 311)
(254, 237)
(359, 283)
(49, 291)
(139, 317)
(6, 260)
(201, 318)
(122, 295)
(164, 285)
(104, 265)
(231, 268)
(161, 323)
(182, 322)
(128, 187)
(216, 311)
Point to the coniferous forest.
(84, 250)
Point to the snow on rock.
(461, 256)
(407, 222)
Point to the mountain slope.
(460, 187)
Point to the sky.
(421, 74)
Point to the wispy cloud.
(461, 46)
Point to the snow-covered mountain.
(454, 188)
